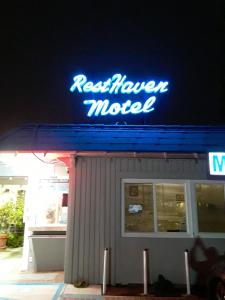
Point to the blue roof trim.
(144, 138)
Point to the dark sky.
(44, 45)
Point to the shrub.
(5, 216)
(11, 220)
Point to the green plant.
(17, 211)
(15, 240)
(11, 220)
(5, 216)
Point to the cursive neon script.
(104, 108)
(118, 84)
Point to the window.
(52, 205)
(170, 203)
(210, 207)
(154, 207)
(173, 208)
(139, 208)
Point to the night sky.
(44, 45)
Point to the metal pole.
(187, 272)
(104, 270)
(145, 271)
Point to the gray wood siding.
(97, 221)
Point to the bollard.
(145, 270)
(187, 272)
(104, 271)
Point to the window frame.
(188, 209)
(196, 231)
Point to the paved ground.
(10, 266)
(10, 261)
(17, 285)
(31, 291)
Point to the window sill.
(211, 235)
(158, 235)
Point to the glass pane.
(211, 209)
(52, 208)
(139, 207)
(170, 203)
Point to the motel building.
(122, 187)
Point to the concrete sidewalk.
(19, 285)
(31, 291)
(10, 261)
(92, 292)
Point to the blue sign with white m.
(217, 163)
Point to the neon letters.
(118, 84)
(217, 163)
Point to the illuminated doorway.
(35, 190)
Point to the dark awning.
(76, 137)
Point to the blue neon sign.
(116, 85)
(217, 163)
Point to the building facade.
(133, 188)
